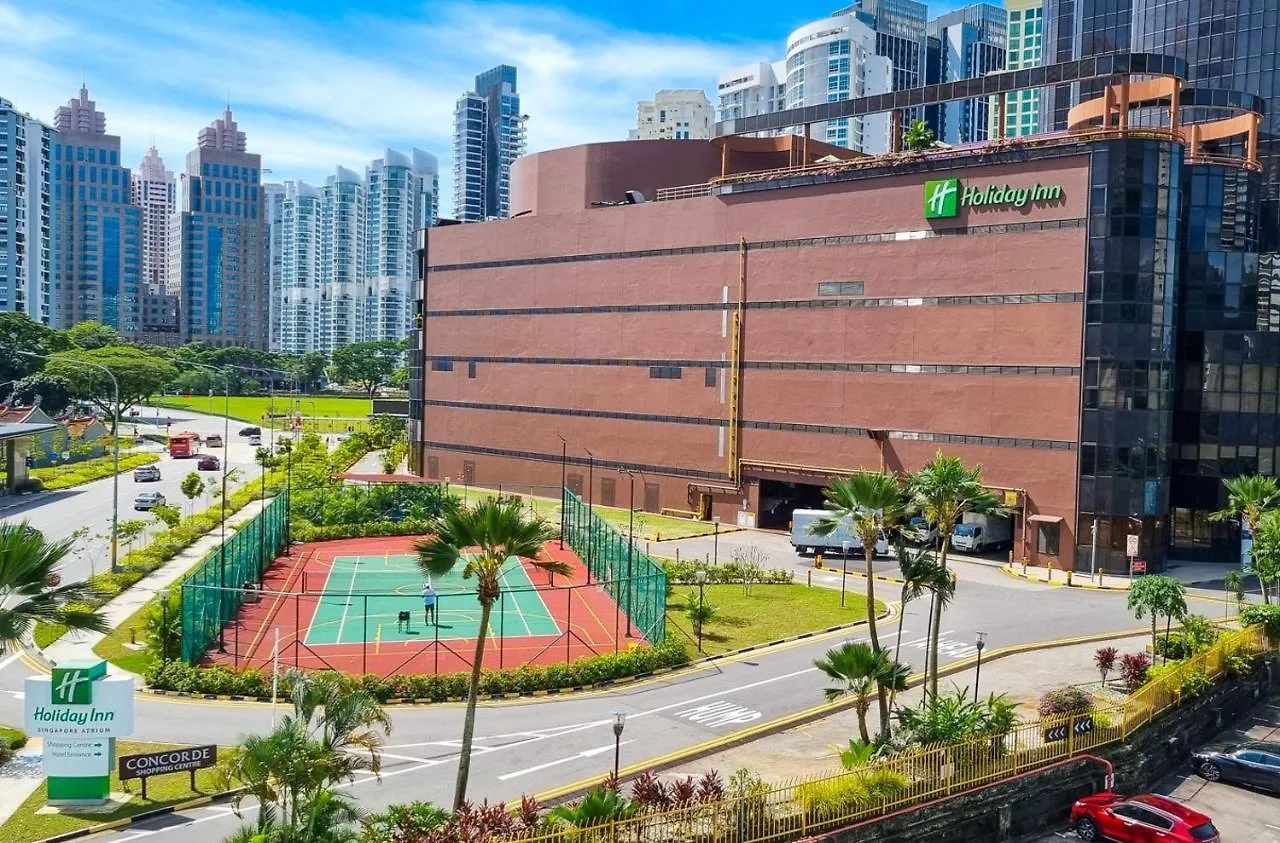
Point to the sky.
(320, 83)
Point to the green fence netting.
(214, 591)
(636, 583)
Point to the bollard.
(817, 560)
(808, 576)
(1068, 578)
(677, 556)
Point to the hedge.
(1266, 616)
(53, 478)
(588, 670)
(11, 740)
(726, 573)
(305, 531)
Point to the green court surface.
(364, 595)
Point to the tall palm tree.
(30, 588)
(922, 574)
(872, 502)
(861, 673)
(481, 538)
(943, 491)
(1248, 498)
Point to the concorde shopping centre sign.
(78, 711)
(944, 198)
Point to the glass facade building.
(970, 42)
(1025, 49)
(488, 135)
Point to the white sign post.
(1131, 546)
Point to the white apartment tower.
(674, 115)
(400, 191)
(342, 260)
(155, 192)
(295, 211)
(27, 204)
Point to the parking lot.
(1240, 814)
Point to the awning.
(1045, 519)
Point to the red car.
(1140, 819)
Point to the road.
(532, 746)
(60, 514)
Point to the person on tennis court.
(429, 603)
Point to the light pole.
(591, 510)
(115, 431)
(977, 674)
(715, 543)
(164, 626)
(631, 540)
(701, 576)
(564, 457)
(844, 560)
(619, 723)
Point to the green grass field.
(26, 826)
(252, 408)
(770, 612)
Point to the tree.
(918, 136)
(385, 429)
(19, 332)
(862, 671)
(699, 612)
(481, 538)
(130, 531)
(400, 378)
(192, 486)
(169, 516)
(1248, 498)
(943, 491)
(1158, 595)
(922, 574)
(308, 370)
(53, 392)
(1232, 584)
(30, 589)
(91, 335)
(366, 364)
(138, 373)
(872, 502)
(1266, 553)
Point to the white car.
(148, 501)
(255, 440)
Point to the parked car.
(255, 440)
(208, 463)
(213, 440)
(148, 500)
(250, 431)
(1139, 819)
(146, 474)
(1255, 764)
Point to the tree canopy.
(139, 374)
(368, 365)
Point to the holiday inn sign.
(945, 197)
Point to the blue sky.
(318, 83)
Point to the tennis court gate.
(214, 591)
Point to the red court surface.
(586, 617)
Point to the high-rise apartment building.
(828, 60)
(342, 260)
(97, 262)
(971, 42)
(674, 115)
(488, 135)
(400, 196)
(27, 228)
(218, 249)
(294, 212)
(900, 27)
(155, 193)
(1025, 50)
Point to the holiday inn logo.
(74, 685)
(943, 198)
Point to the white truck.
(805, 541)
(980, 533)
(921, 532)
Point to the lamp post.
(564, 459)
(844, 560)
(715, 542)
(164, 626)
(619, 723)
(631, 540)
(287, 445)
(701, 576)
(115, 431)
(977, 675)
(591, 510)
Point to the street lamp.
(115, 430)
(715, 543)
(631, 540)
(844, 559)
(164, 626)
(591, 511)
(977, 675)
(564, 459)
(619, 723)
(700, 576)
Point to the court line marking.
(347, 606)
(503, 575)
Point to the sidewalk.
(80, 645)
(811, 749)
(20, 778)
(1191, 574)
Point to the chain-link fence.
(214, 591)
(633, 579)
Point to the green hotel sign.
(945, 197)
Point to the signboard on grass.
(169, 761)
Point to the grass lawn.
(56, 477)
(770, 612)
(26, 826)
(649, 527)
(113, 649)
(252, 408)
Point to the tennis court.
(393, 584)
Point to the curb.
(199, 801)
(550, 692)
(1009, 571)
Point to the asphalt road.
(60, 514)
(532, 746)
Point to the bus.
(183, 444)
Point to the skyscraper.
(294, 214)
(98, 256)
(1025, 50)
(971, 43)
(155, 193)
(674, 115)
(488, 135)
(218, 257)
(342, 260)
(399, 200)
(27, 168)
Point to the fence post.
(502, 624)
(297, 627)
(364, 636)
(1071, 734)
(568, 628)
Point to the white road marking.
(10, 660)
(586, 753)
(719, 713)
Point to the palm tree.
(918, 136)
(481, 538)
(30, 588)
(862, 671)
(1247, 498)
(921, 574)
(872, 502)
(1266, 552)
(943, 491)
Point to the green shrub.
(74, 474)
(305, 531)
(11, 740)
(845, 796)
(725, 573)
(1194, 684)
(1265, 616)
(1068, 699)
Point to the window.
(709, 377)
(468, 471)
(840, 288)
(442, 365)
(608, 490)
(471, 368)
(1047, 538)
(665, 372)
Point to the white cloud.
(311, 97)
